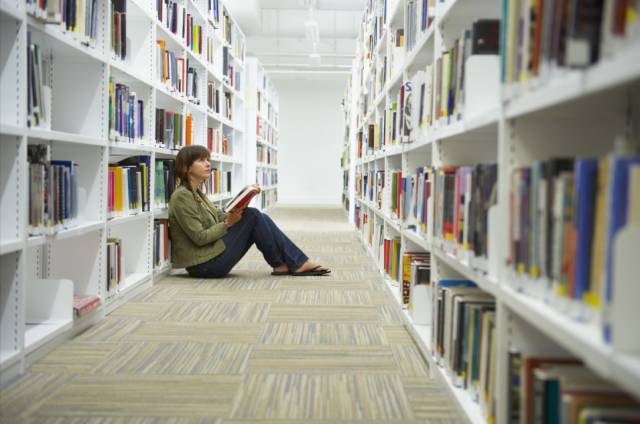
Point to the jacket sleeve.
(187, 215)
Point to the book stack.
(161, 243)
(171, 69)
(417, 211)
(119, 28)
(462, 199)
(164, 182)
(115, 265)
(53, 191)
(128, 191)
(391, 250)
(85, 303)
(213, 12)
(172, 16)
(549, 388)
(169, 129)
(227, 106)
(191, 84)
(463, 339)
(126, 114)
(78, 17)
(540, 38)
(38, 86)
(565, 215)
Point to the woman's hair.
(185, 158)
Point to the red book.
(83, 304)
(243, 198)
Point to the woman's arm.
(187, 214)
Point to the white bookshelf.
(576, 113)
(36, 316)
(262, 125)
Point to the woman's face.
(200, 169)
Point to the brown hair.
(185, 158)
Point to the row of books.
(79, 17)
(229, 71)
(268, 198)
(53, 191)
(419, 14)
(38, 86)
(218, 182)
(266, 155)
(126, 113)
(164, 182)
(463, 197)
(173, 16)
(193, 35)
(232, 36)
(213, 11)
(227, 106)
(266, 177)
(565, 216)
(129, 187)
(118, 12)
(539, 37)
(266, 132)
(219, 144)
(213, 97)
(416, 271)
(161, 243)
(463, 339)
(115, 265)
(176, 73)
(555, 389)
(169, 129)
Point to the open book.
(243, 198)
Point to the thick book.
(243, 198)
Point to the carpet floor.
(249, 348)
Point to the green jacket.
(196, 227)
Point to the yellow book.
(593, 296)
(117, 189)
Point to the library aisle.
(246, 349)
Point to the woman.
(208, 242)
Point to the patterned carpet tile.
(301, 333)
(122, 396)
(158, 293)
(431, 401)
(217, 312)
(306, 421)
(225, 296)
(354, 313)
(125, 420)
(74, 358)
(322, 397)
(143, 311)
(389, 314)
(198, 332)
(111, 329)
(323, 359)
(297, 283)
(187, 358)
(410, 361)
(324, 297)
(22, 397)
(397, 334)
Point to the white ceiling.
(275, 34)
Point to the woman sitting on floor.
(209, 243)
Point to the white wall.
(310, 141)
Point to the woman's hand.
(257, 186)
(234, 216)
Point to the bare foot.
(310, 265)
(281, 268)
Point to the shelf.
(12, 130)
(79, 230)
(172, 95)
(8, 358)
(570, 85)
(123, 148)
(484, 282)
(64, 43)
(161, 213)
(165, 153)
(267, 166)
(127, 74)
(129, 218)
(131, 281)
(162, 269)
(37, 335)
(10, 10)
(201, 61)
(10, 246)
(64, 137)
(417, 239)
(175, 43)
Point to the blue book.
(619, 202)
(586, 187)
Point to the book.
(243, 198)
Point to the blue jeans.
(254, 227)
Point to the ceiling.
(300, 38)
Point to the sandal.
(316, 271)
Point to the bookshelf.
(345, 159)
(495, 116)
(100, 89)
(262, 123)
